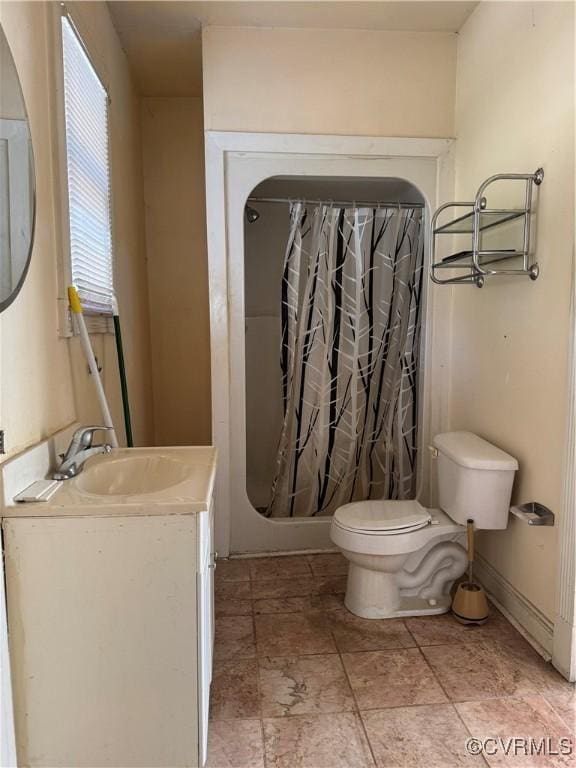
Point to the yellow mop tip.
(74, 300)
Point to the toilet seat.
(382, 518)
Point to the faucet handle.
(84, 436)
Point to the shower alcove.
(246, 261)
(266, 234)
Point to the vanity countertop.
(132, 482)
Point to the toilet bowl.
(404, 558)
(405, 564)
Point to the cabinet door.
(212, 568)
(205, 630)
(103, 630)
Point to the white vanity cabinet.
(110, 622)
(206, 624)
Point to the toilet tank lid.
(468, 450)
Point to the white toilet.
(403, 557)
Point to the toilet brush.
(470, 605)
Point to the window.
(86, 118)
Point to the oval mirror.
(17, 184)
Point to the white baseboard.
(532, 623)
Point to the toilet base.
(377, 594)
(409, 606)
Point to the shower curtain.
(351, 305)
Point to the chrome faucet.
(79, 451)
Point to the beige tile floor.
(299, 682)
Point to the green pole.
(123, 382)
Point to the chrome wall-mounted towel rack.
(475, 264)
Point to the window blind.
(86, 117)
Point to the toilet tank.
(474, 479)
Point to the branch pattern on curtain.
(351, 301)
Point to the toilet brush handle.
(470, 534)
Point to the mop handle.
(76, 307)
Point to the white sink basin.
(132, 475)
(163, 480)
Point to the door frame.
(564, 639)
(235, 163)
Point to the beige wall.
(131, 282)
(329, 81)
(173, 146)
(36, 395)
(43, 380)
(515, 112)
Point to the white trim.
(318, 144)
(260, 152)
(564, 650)
(219, 341)
(96, 324)
(538, 627)
(59, 174)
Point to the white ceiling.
(163, 38)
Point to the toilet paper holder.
(533, 513)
